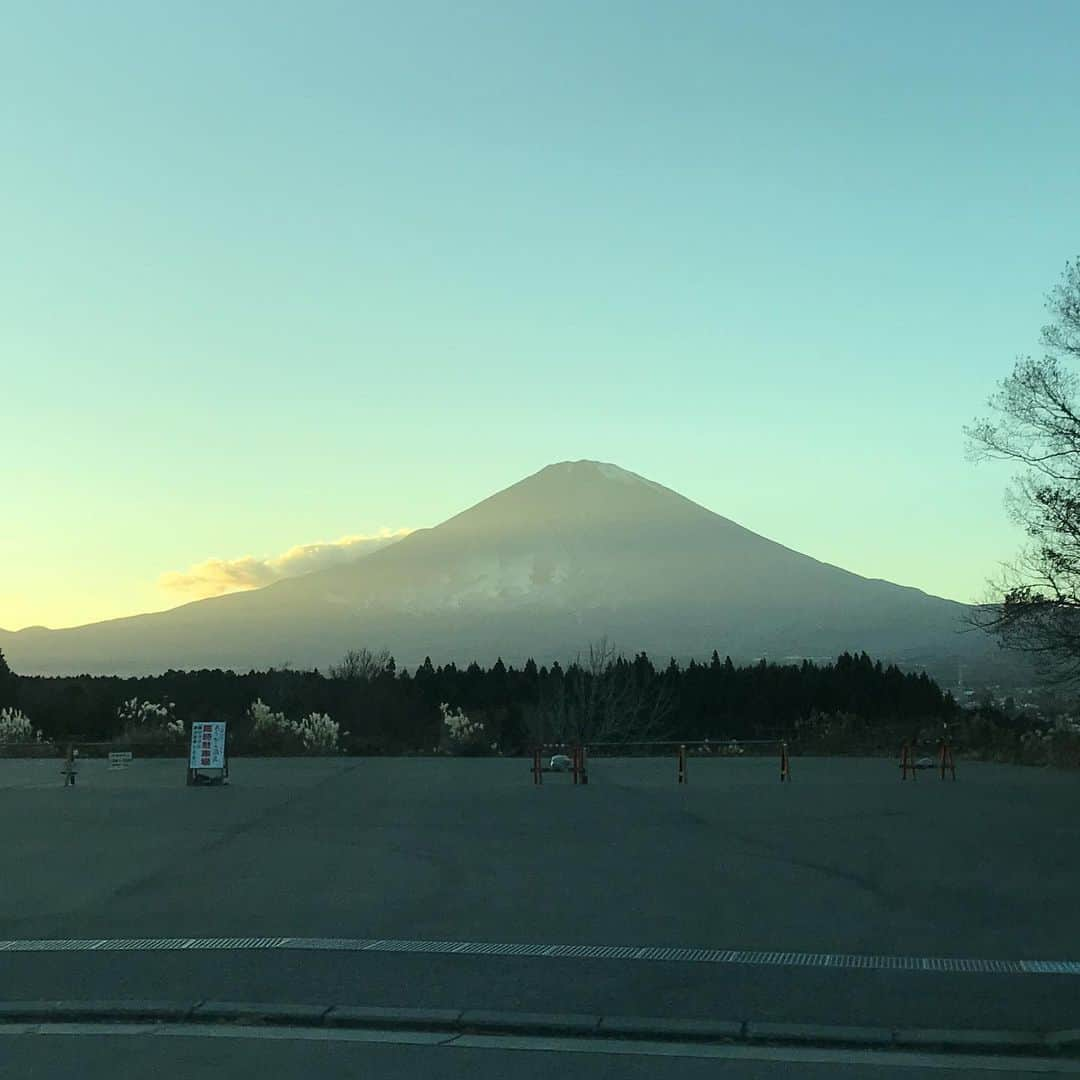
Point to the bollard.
(575, 763)
(584, 765)
(681, 777)
(785, 764)
(946, 761)
(69, 769)
(907, 761)
(538, 768)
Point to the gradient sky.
(276, 273)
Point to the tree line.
(602, 696)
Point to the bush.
(148, 721)
(463, 734)
(275, 733)
(15, 727)
(319, 734)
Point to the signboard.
(119, 759)
(207, 745)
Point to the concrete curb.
(378, 1016)
(567, 1025)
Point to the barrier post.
(69, 769)
(584, 761)
(785, 764)
(907, 761)
(575, 762)
(946, 760)
(537, 767)
(681, 770)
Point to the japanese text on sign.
(207, 745)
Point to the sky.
(278, 275)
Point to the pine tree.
(8, 682)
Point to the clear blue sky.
(278, 272)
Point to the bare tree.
(602, 697)
(1036, 601)
(361, 665)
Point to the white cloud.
(213, 577)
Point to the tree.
(7, 683)
(362, 665)
(602, 698)
(1036, 601)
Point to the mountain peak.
(578, 550)
(604, 469)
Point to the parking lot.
(845, 860)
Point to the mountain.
(577, 551)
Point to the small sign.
(119, 759)
(207, 745)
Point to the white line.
(758, 958)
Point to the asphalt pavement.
(845, 860)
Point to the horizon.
(291, 282)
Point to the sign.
(207, 745)
(119, 759)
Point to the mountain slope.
(578, 550)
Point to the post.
(907, 762)
(537, 768)
(69, 766)
(574, 762)
(785, 764)
(946, 760)
(681, 771)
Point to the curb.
(568, 1025)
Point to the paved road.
(188, 1057)
(846, 859)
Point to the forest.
(600, 698)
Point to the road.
(176, 1056)
(845, 860)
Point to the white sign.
(207, 745)
(119, 759)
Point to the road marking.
(1013, 1066)
(667, 954)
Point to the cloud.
(213, 577)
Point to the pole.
(681, 771)
(907, 762)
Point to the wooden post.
(681, 769)
(785, 764)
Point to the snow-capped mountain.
(576, 551)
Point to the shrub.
(15, 727)
(463, 734)
(271, 732)
(147, 721)
(319, 734)
(275, 733)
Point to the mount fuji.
(577, 551)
